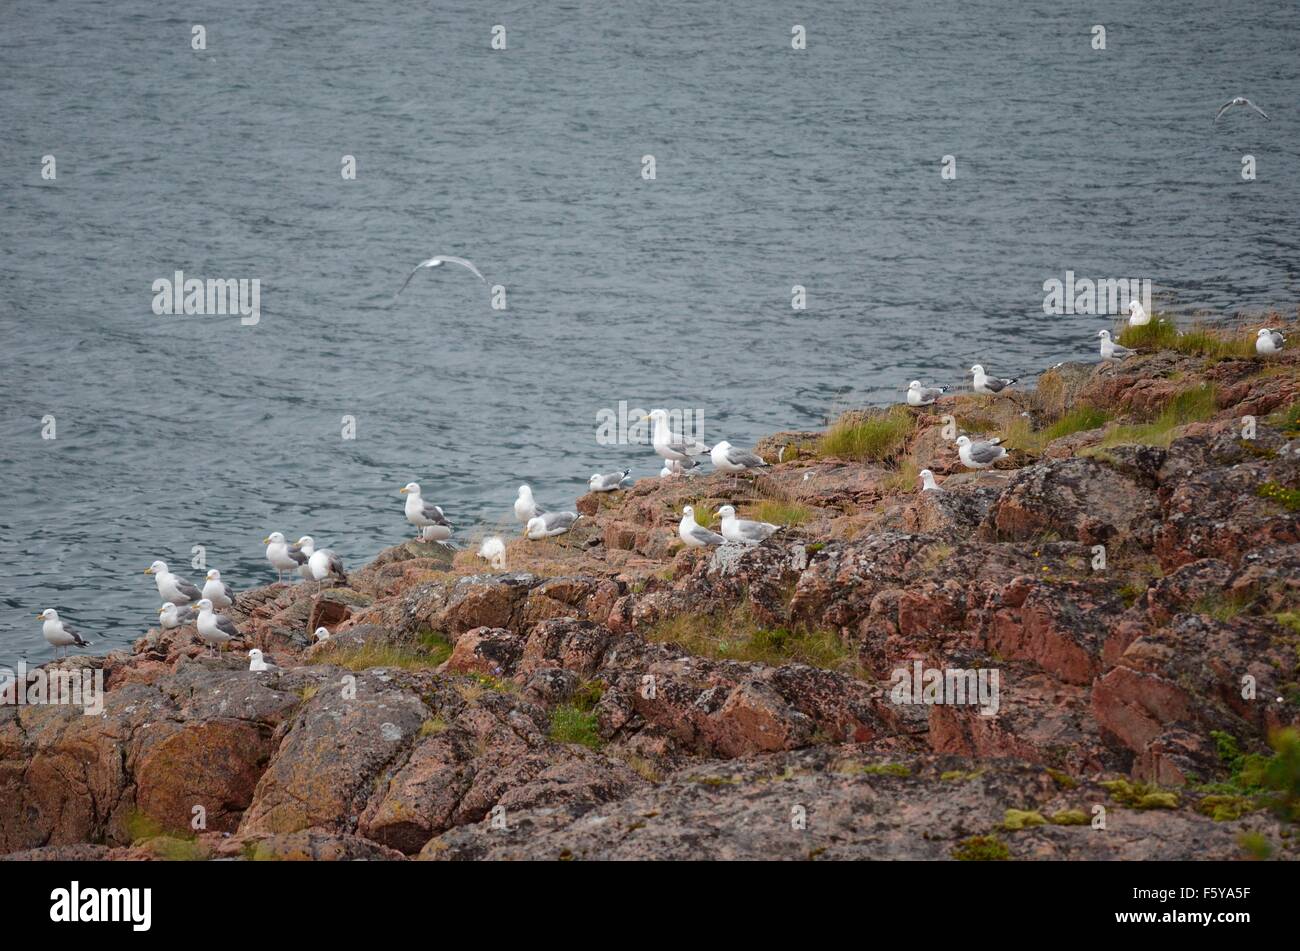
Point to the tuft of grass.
(1016, 819)
(735, 635)
(1225, 808)
(1215, 345)
(1160, 334)
(1140, 795)
(1289, 619)
(981, 848)
(436, 644)
(1021, 435)
(365, 656)
(906, 476)
(780, 513)
(1189, 406)
(1062, 778)
(1069, 817)
(1289, 499)
(874, 437)
(1222, 607)
(433, 726)
(570, 724)
(960, 775)
(1255, 845)
(878, 769)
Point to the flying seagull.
(436, 262)
(1238, 101)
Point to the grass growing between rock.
(1199, 341)
(1021, 435)
(981, 848)
(1289, 499)
(1160, 334)
(365, 656)
(1189, 406)
(873, 437)
(576, 721)
(1256, 780)
(735, 635)
(778, 512)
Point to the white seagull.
(215, 629)
(303, 546)
(282, 556)
(610, 481)
(730, 459)
(172, 587)
(989, 384)
(979, 455)
(695, 535)
(1238, 101)
(918, 395)
(743, 530)
(1110, 350)
(431, 525)
(927, 482)
(325, 563)
(217, 591)
(171, 617)
(674, 467)
(322, 634)
(526, 506)
(438, 262)
(671, 445)
(1137, 317)
(1268, 341)
(493, 551)
(59, 634)
(549, 524)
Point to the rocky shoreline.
(1131, 572)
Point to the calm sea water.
(774, 168)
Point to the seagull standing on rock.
(1268, 341)
(979, 455)
(282, 556)
(526, 507)
(550, 524)
(325, 563)
(730, 459)
(743, 530)
(171, 617)
(695, 535)
(303, 546)
(1110, 350)
(671, 445)
(215, 629)
(989, 384)
(172, 587)
(493, 551)
(430, 524)
(1137, 317)
(59, 634)
(927, 482)
(217, 591)
(918, 395)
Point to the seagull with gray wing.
(989, 384)
(215, 629)
(1268, 342)
(918, 395)
(59, 634)
(1110, 350)
(430, 524)
(672, 445)
(438, 262)
(742, 530)
(1238, 101)
(610, 481)
(694, 534)
(979, 455)
(172, 587)
(550, 524)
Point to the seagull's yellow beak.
(402, 491)
(42, 614)
(645, 419)
(148, 571)
(266, 541)
(161, 610)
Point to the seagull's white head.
(213, 574)
(727, 512)
(1103, 334)
(157, 568)
(1134, 307)
(595, 478)
(49, 614)
(204, 604)
(914, 385)
(688, 512)
(926, 475)
(305, 542)
(275, 538)
(1263, 332)
(525, 492)
(723, 445)
(963, 442)
(322, 634)
(535, 527)
(255, 655)
(411, 488)
(977, 369)
(657, 415)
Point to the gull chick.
(695, 535)
(918, 395)
(979, 455)
(550, 524)
(1110, 350)
(989, 384)
(172, 587)
(59, 634)
(1268, 341)
(743, 530)
(430, 524)
(438, 262)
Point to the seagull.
(257, 662)
(303, 546)
(918, 395)
(730, 459)
(683, 467)
(493, 551)
(927, 482)
(989, 384)
(1238, 101)
(322, 634)
(281, 555)
(1268, 341)
(171, 617)
(549, 524)
(1137, 317)
(58, 634)
(526, 506)
(430, 523)
(325, 563)
(671, 445)
(217, 591)
(742, 530)
(1110, 350)
(979, 455)
(610, 481)
(694, 535)
(215, 629)
(437, 262)
(172, 587)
